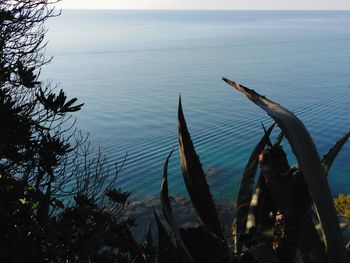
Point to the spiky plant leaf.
(310, 164)
(328, 158)
(195, 180)
(279, 138)
(311, 246)
(255, 204)
(261, 210)
(149, 252)
(167, 252)
(294, 220)
(165, 202)
(246, 190)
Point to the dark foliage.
(59, 204)
(42, 218)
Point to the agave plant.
(287, 214)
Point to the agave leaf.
(255, 205)
(167, 252)
(261, 210)
(165, 202)
(294, 220)
(246, 189)
(328, 158)
(149, 252)
(268, 141)
(311, 246)
(310, 243)
(279, 138)
(310, 165)
(195, 180)
(149, 239)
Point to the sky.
(208, 4)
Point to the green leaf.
(195, 180)
(310, 165)
(35, 206)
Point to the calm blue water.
(130, 66)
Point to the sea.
(129, 68)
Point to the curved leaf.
(149, 252)
(328, 158)
(279, 138)
(245, 191)
(167, 252)
(310, 245)
(195, 180)
(165, 202)
(310, 164)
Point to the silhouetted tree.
(55, 202)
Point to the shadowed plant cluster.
(58, 201)
(284, 213)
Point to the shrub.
(342, 204)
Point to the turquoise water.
(129, 67)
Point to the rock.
(135, 205)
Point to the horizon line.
(183, 9)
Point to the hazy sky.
(208, 4)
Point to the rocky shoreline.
(142, 212)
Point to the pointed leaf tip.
(164, 197)
(230, 82)
(329, 158)
(195, 179)
(310, 164)
(225, 79)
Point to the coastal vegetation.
(56, 204)
(59, 201)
